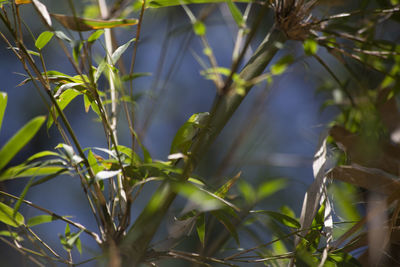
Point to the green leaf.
(146, 154)
(310, 47)
(3, 105)
(187, 132)
(166, 3)
(43, 39)
(282, 218)
(268, 188)
(22, 196)
(247, 191)
(12, 234)
(94, 36)
(19, 140)
(28, 171)
(280, 67)
(135, 75)
(82, 24)
(236, 14)
(201, 228)
(6, 216)
(40, 219)
(227, 223)
(42, 154)
(64, 99)
(120, 50)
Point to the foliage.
(365, 130)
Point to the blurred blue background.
(280, 143)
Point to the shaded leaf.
(19, 140)
(201, 227)
(268, 188)
(166, 3)
(368, 178)
(82, 24)
(282, 218)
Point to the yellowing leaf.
(20, 2)
(82, 24)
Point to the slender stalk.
(141, 233)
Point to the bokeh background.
(281, 123)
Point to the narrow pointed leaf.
(40, 219)
(3, 105)
(43, 11)
(82, 24)
(6, 216)
(19, 140)
(120, 50)
(165, 3)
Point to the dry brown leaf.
(370, 153)
(372, 179)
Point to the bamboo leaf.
(19, 140)
(43, 39)
(82, 24)
(40, 219)
(6, 216)
(27, 171)
(201, 227)
(64, 99)
(3, 105)
(43, 11)
(282, 218)
(236, 14)
(120, 50)
(166, 3)
(96, 35)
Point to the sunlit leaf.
(43, 39)
(19, 140)
(3, 105)
(6, 216)
(63, 100)
(268, 188)
(120, 50)
(280, 67)
(96, 35)
(40, 219)
(27, 171)
(82, 24)
(199, 28)
(310, 47)
(236, 14)
(102, 175)
(21, 2)
(43, 11)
